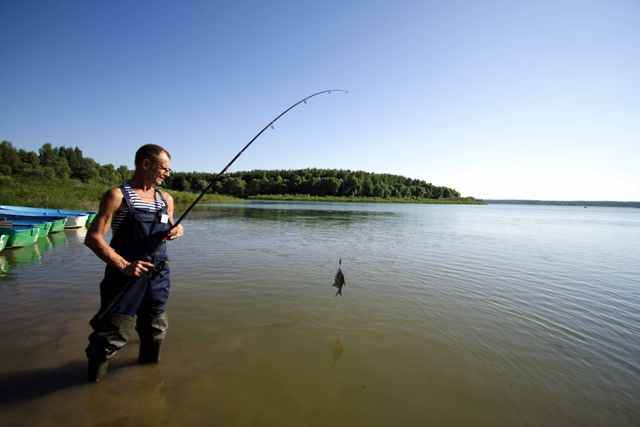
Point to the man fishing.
(135, 287)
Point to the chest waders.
(127, 301)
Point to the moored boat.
(19, 236)
(44, 226)
(92, 216)
(57, 222)
(75, 219)
(58, 225)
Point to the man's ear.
(146, 164)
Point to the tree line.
(69, 163)
(58, 162)
(314, 182)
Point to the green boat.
(18, 237)
(92, 216)
(44, 227)
(58, 225)
(3, 241)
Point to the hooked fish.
(338, 281)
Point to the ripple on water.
(511, 314)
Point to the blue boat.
(75, 219)
(58, 222)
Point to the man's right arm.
(95, 238)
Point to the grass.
(73, 194)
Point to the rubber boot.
(149, 352)
(97, 370)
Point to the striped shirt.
(137, 203)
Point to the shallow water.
(451, 315)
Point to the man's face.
(159, 169)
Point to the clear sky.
(497, 99)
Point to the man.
(136, 283)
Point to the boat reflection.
(58, 238)
(4, 265)
(12, 258)
(23, 256)
(76, 235)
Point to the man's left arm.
(175, 231)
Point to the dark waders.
(127, 301)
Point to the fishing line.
(269, 125)
(156, 243)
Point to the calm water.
(452, 315)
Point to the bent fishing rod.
(269, 125)
(103, 311)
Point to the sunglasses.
(165, 170)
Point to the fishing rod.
(103, 311)
(269, 125)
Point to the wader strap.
(125, 196)
(159, 194)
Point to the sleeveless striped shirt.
(138, 203)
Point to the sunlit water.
(452, 315)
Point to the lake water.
(495, 315)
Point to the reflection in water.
(338, 349)
(4, 265)
(76, 235)
(27, 255)
(58, 238)
(24, 256)
(146, 403)
(281, 213)
(468, 315)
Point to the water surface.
(452, 315)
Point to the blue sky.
(498, 99)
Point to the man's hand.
(137, 268)
(175, 232)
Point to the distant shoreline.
(609, 204)
(368, 199)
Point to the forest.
(64, 163)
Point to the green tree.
(47, 155)
(61, 168)
(234, 186)
(351, 186)
(181, 183)
(9, 156)
(123, 173)
(108, 174)
(329, 186)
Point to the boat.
(43, 225)
(75, 219)
(19, 236)
(57, 222)
(3, 241)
